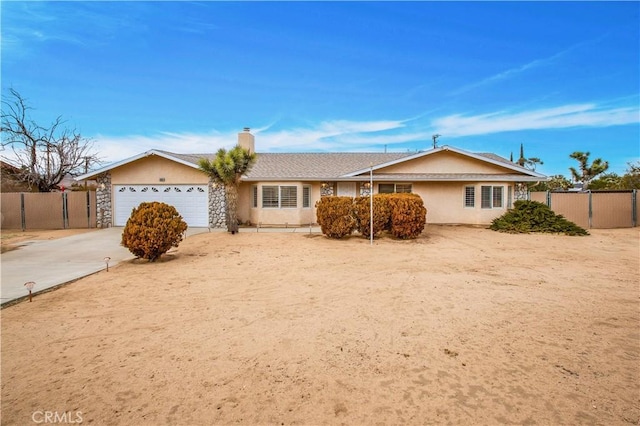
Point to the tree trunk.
(231, 191)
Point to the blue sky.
(334, 76)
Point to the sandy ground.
(462, 326)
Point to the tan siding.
(540, 197)
(79, 215)
(572, 205)
(612, 210)
(444, 162)
(10, 208)
(43, 210)
(150, 170)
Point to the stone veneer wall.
(521, 192)
(326, 189)
(103, 201)
(217, 206)
(364, 192)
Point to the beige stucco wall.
(277, 216)
(149, 170)
(444, 162)
(445, 202)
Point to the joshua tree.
(587, 172)
(227, 169)
(529, 163)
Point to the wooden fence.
(48, 210)
(597, 209)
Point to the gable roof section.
(485, 157)
(341, 166)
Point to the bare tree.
(43, 155)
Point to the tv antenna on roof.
(435, 138)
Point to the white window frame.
(281, 198)
(306, 196)
(395, 188)
(495, 195)
(469, 196)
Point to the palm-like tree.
(227, 169)
(587, 172)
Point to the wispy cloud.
(578, 115)
(520, 69)
(358, 136)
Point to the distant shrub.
(335, 216)
(152, 230)
(381, 215)
(408, 215)
(532, 216)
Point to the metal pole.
(371, 205)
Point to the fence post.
(634, 210)
(23, 217)
(88, 210)
(549, 199)
(590, 209)
(65, 211)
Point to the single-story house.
(457, 186)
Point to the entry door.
(346, 189)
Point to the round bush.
(152, 230)
(335, 216)
(381, 215)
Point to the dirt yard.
(462, 326)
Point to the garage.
(191, 201)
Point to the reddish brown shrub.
(408, 215)
(335, 216)
(381, 214)
(152, 230)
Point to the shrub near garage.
(532, 216)
(335, 216)
(152, 230)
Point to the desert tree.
(529, 163)
(227, 169)
(587, 172)
(44, 155)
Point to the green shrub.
(335, 216)
(408, 215)
(381, 214)
(532, 216)
(152, 230)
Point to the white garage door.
(191, 201)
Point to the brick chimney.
(247, 140)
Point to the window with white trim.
(491, 197)
(306, 196)
(270, 197)
(279, 197)
(254, 196)
(390, 188)
(469, 196)
(288, 197)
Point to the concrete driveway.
(50, 263)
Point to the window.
(390, 188)
(254, 197)
(288, 197)
(279, 197)
(306, 197)
(491, 197)
(270, 197)
(469, 196)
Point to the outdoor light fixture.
(102, 186)
(29, 285)
(106, 260)
(324, 184)
(367, 185)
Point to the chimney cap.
(247, 129)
